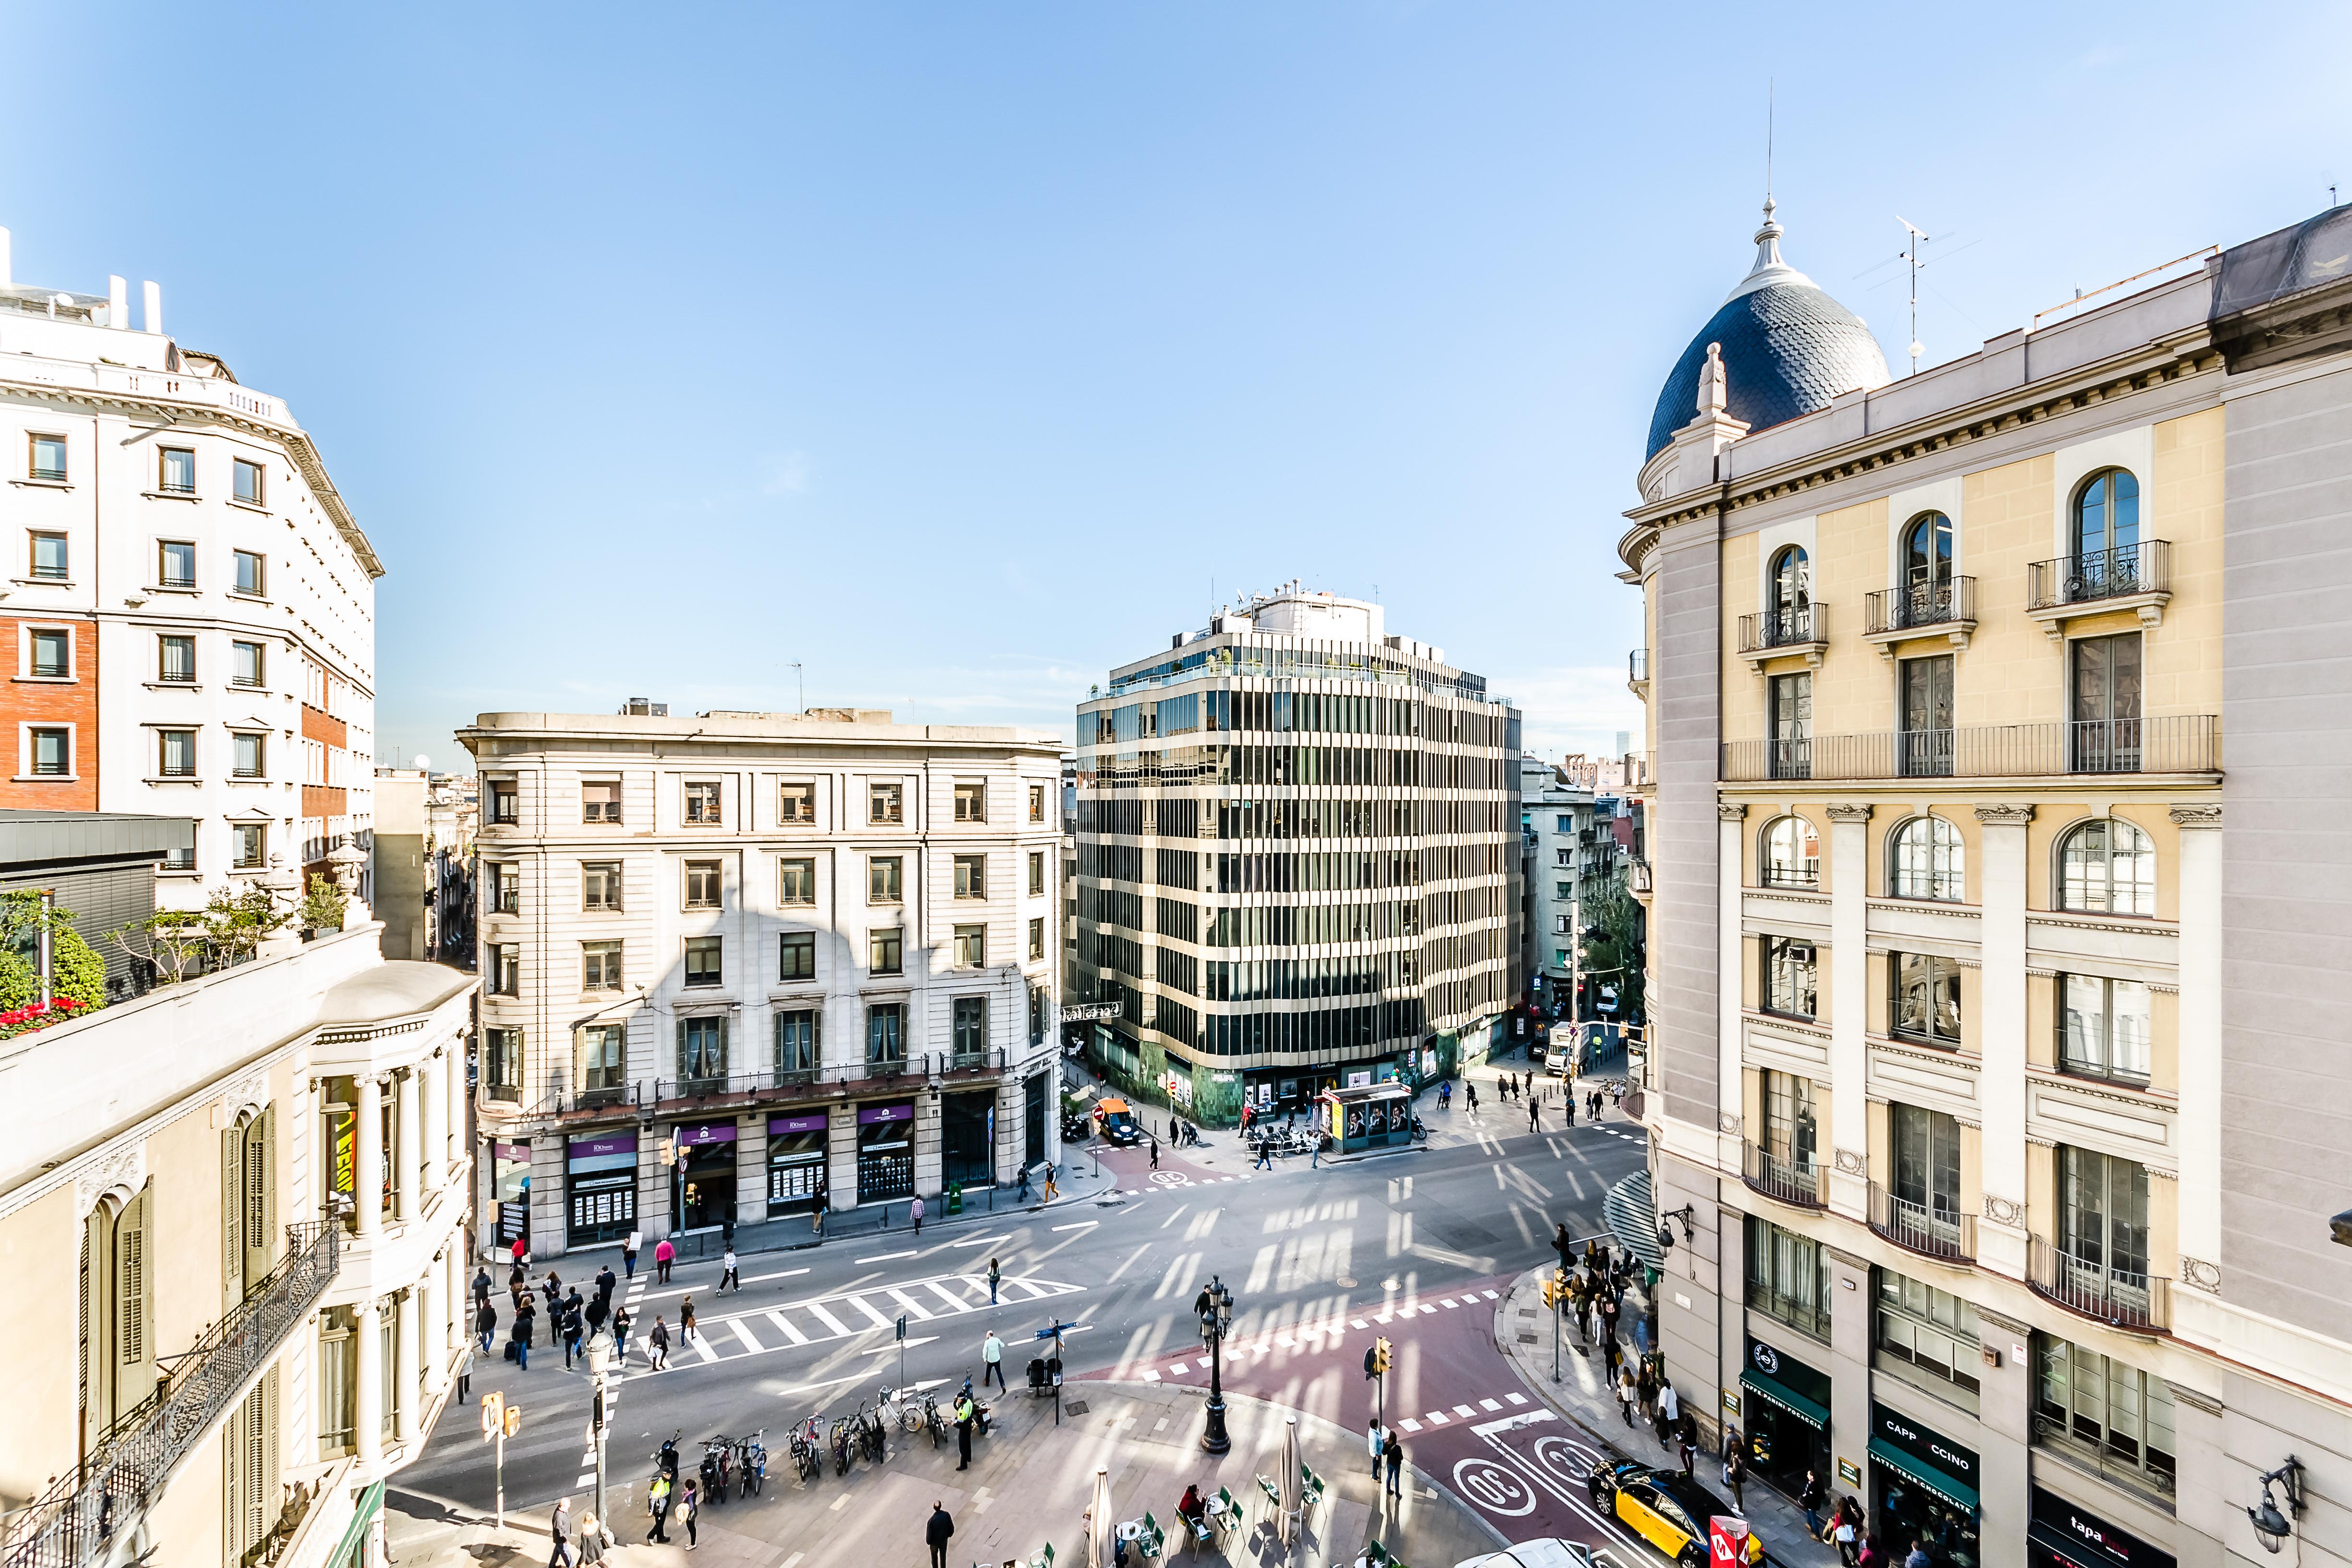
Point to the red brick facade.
(29, 701)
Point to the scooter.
(980, 1410)
(665, 1456)
(713, 1472)
(751, 1462)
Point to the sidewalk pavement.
(1524, 1336)
(1030, 1483)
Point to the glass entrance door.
(2107, 697)
(1926, 739)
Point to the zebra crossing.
(835, 1316)
(1316, 1334)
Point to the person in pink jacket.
(663, 1256)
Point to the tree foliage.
(75, 972)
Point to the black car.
(1664, 1507)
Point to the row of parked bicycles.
(739, 1465)
(728, 1465)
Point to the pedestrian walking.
(1810, 1498)
(1585, 1317)
(621, 1334)
(1264, 1155)
(657, 1344)
(1689, 1437)
(629, 1254)
(520, 1336)
(482, 1288)
(1735, 1472)
(937, 1533)
(521, 1253)
(559, 1529)
(606, 1284)
(994, 1274)
(517, 1286)
(1918, 1558)
(728, 1276)
(966, 1412)
(1670, 1405)
(1470, 1091)
(465, 1373)
(593, 1541)
(688, 1506)
(486, 1325)
(657, 1499)
(1535, 1116)
(916, 1209)
(686, 1321)
(1372, 1445)
(571, 1333)
(1051, 1192)
(991, 1355)
(1646, 1394)
(1396, 1465)
(1629, 1394)
(1612, 1356)
(663, 1256)
(1568, 1100)
(1155, 1153)
(1842, 1536)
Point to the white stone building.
(738, 964)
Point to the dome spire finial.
(1768, 238)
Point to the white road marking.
(1076, 1225)
(863, 1305)
(955, 1303)
(790, 1333)
(1410, 1425)
(1517, 1398)
(888, 1256)
(827, 1318)
(743, 1333)
(702, 1348)
(1488, 1405)
(978, 1241)
(917, 1308)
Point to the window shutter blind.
(130, 1281)
(232, 1217)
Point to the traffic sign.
(514, 1419)
(494, 1405)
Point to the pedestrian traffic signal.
(1381, 1356)
(494, 1404)
(514, 1419)
(1551, 1290)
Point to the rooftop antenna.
(1910, 253)
(1768, 138)
(800, 681)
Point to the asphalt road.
(812, 1331)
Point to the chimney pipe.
(154, 302)
(117, 301)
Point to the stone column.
(367, 1181)
(404, 1366)
(367, 1405)
(1849, 1010)
(1728, 859)
(2200, 1048)
(435, 1155)
(456, 1300)
(453, 1135)
(407, 1156)
(431, 1312)
(2001, 1037)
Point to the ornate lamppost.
(1214, 1308)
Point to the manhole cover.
(1344, 1283)
(1074, 1407)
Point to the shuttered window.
(130, 1283)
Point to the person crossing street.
(729, 1275)
(991, 1354)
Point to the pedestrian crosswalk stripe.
(1517, 1398)
(587, 1480)
(863, 1305)
(1488, 1294)
(790, 1333)
(917, 1308)
(743, 1333)
(1410, 1425)
(1178, 1369)
(1434, 1417)
(1150, 1375)
(1464, 1410)
(1488, 1405)
(1357, 1323)
(827, 1318)
(702, 1348)
(1447, 1303)
(955, 1303)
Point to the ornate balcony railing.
(1921, 607)
(2172, 743)
(2095, 574)
(1915, 1227)
(2120, 1298)
(78, 1519)
(1768, 629)
(1788, 1181)
(765, 1083)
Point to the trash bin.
(955, 1197)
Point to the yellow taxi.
(1664, 1508)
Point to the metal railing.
(2120, 1298)
(2170, 743)
(769, 1082)
(2095, 574)
(82, 1511)
(1920, 606)
(53, 476)
(1783, 629)
(1915, 1227)
(1786, 1180)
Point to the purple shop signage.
(518, 1152)
(709, 1132)
(620, 1144)
(902, 1112)
(797, 1124)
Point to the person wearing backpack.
(689, 1506)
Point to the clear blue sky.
(955, 351)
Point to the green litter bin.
(955, 1197)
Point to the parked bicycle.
(807, 1448)
(751, 1462)
(935, 1422)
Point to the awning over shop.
(1959, 1494)
(1634, 1218)
(1780, 1394)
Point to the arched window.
(2106, 537)
(1928, 861)
(2107, 867)
(1927, 596)
(1792, 853)
(117, 1360)
(1792, 596)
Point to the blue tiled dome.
(1788, 349)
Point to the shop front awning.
(1781, 1395)
(1959, 1494)
(1634, 1218)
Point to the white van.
(1560, 1049)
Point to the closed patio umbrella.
(1291, 1484)
(1099, 1524)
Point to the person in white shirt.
(992, 1350)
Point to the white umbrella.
(1290, 1481)
(1099, 1524)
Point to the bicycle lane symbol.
(1494, 1489)
(1558, 1467)
(1170, 1179)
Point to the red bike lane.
(1466, 1419)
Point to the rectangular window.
(797, 959)
(1036, 873)
(971, 1026)
(2102, 1219)
(702, 804)
(1927, 1168)
(1927, 699)
(176, 753)
(796, 803)
(702, 961)
(600, 800)
(2114, 1416)
(1791, 1130)
(971, 876)
(251, 847)
(1926, 1004)
(251, 578)
(600, 885)
(1036, 939)
(702, 882)
(1790, 977)
(885, 1039)
(972, 802)
(1791, 698)
(502, 1063)
(599, 966)
(337, 1385)
(175, 471)
(52, 752)
(797, 1042)
(702, 1051)
(1036, 803)
(970, 947)
(247, 754)
(1788, 1277)
(2106, 680)
(506, 969)
(796, 881)
(52, 654)
(2102, 1027)
(246, 664)
(506, 802)
(884, 951)
(49, 559)
(1919, 1329)
(45, 458)
(1559, 890)
(505, 887)
(882, 885)
(885, 803)
(175, 564)
(602, 1057)
(246, 484)
(175, 660)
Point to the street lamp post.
(600, 1361)
(1214, 1308)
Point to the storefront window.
(510, 1185)
(602, 1173)
(968, 1137)
(1926, 1487)
(705, 1189)
(796, 1161)
(885, 1152)
(1786, 1409)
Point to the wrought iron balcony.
(77, 1519)
(1915, 1227)
(2125, 572)
(2170, 743)
(1769, 632)
(1786, 1181)
(1920, 607)
(2120, 1298)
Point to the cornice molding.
(1837, 811)
(2197, 815)
(2005, 814)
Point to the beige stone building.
(215, 1354)
(1994, 1102)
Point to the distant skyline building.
(1296, 858)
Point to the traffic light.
(1556, 1288)
(514, 1419)
(1381, 1356)
(1371, 1362)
